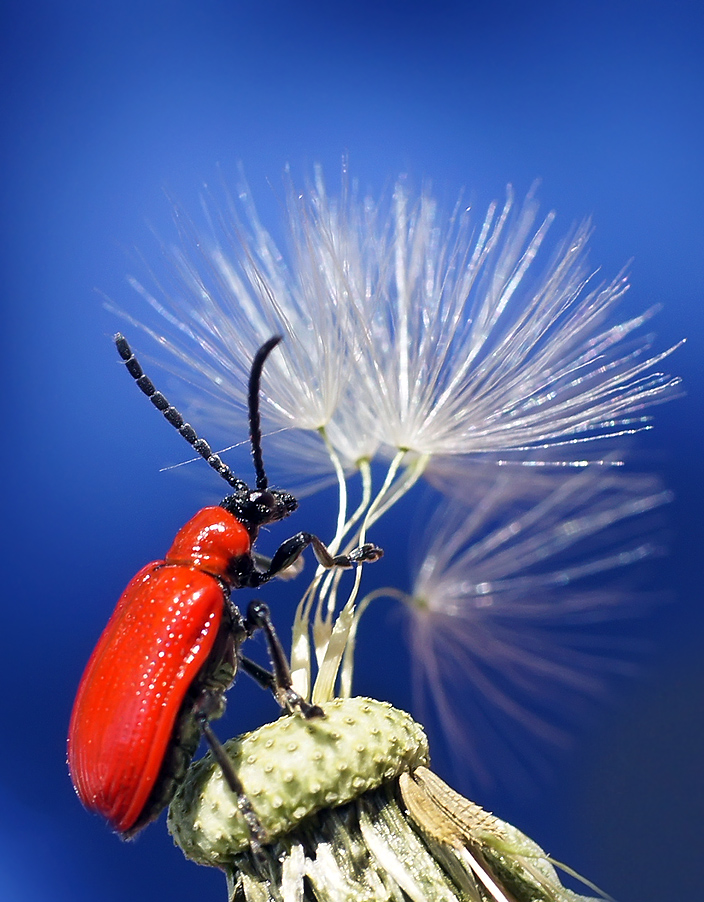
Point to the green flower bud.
(290, 769)
(352, 814)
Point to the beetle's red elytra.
(154, 647)
(158, 674)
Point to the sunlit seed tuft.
(406, 328)
(512, 598)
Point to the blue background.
(107, 104)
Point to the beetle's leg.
(266, 679)
(289, 552)
(279, 682)
(263, 565)
(203, 709)
(259, 674)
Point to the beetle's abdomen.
(156, 642)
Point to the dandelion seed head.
(405, 328)
(448, 345)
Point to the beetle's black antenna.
(255, 429)
(174, 417)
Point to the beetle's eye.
(263, 499)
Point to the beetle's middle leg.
(279, 680)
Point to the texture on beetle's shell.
(292, 768)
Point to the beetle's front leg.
(289, 552)
(263, 564)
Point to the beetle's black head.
(257, 507)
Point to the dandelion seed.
(225, 296)
(511, 596)
(473, 352)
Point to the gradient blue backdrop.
(107, 104)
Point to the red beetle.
(172, 647)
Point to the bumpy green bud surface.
(292, 768)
